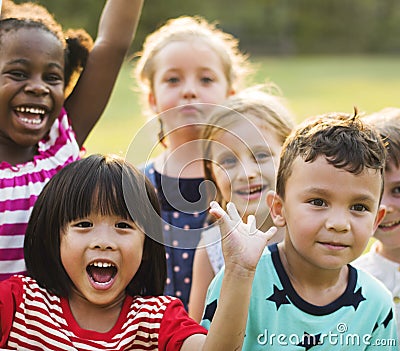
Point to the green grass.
(312, 85)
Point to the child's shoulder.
(372, 287)
(376, 264)
(154, 303)
(20, 288)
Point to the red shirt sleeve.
(10, 297)
(176, 326)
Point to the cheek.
(223, 182)
(301, 227)
(66, 254)
(269, 173)
(388, 199)
(215, 97)
(59, 99)
(134, 251)
(66, 246)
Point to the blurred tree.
(266, 26)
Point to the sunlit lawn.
(312, 85)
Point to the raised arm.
(242, 246)
(90, 96)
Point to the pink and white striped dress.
(20, 186)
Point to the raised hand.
(242, 243)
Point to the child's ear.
(152, 102)
(379, 216)
(277, 212)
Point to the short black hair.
(110, 186)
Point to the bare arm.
(242, 246)
(90, 96)
(203, 274)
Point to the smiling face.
(245, 161)
(188, 73)
(101, 255)
(330, 213)
(388, 231)
(31, 85)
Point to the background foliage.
(325, 55)
(266, 26)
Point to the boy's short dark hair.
(110, 186)
(387, 123)
(343, 139)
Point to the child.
(305, 295)
(186, 67)
(383, 259)
(242, 144)
(37, 138)
(97, 269)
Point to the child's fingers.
(216, 210)
(270, 233)
(251, 222)
(232, 212)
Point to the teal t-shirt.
(362, 318)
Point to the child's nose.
(103, 239)
(248, 169)
(37, 87)
(189, 91)
(338, 221)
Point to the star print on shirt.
(357, 298)
(210, 311)
(279, 297)
(309, 340)
(388, 318)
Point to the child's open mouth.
(30, 115)
(251, 192)
(101, 274)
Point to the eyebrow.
(22, 61)
(26, 62)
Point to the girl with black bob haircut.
(103, 184)
(97, 268)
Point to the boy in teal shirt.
(305, 295)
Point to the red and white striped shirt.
(33, 319)
(20, 186)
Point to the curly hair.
(77, 43)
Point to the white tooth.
(29, 121)
(102, 264)
(33, 110)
